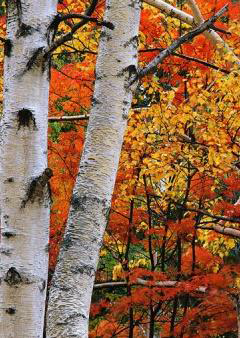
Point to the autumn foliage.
(178, 172)
(178, 186)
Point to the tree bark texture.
(72, 284)
(23, 170)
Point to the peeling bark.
(72, 284)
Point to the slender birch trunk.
(23, 170)
(71, 289)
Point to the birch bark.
(23, 157)
(71, 289)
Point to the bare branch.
(172, 11)
(222, 230)
(68, 118)
(189, 58)
(68, 36)
(140, 281)
(217, 217)
(59, 18)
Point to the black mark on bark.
(36, 188)
(11, 310)
(8, 234)
(24, 30)
(42, 286)
(13, 277)
(105, 35)
(83, 269)
(133, 41)
(77, 202)
(25, 118)
(8, 48)
(35, 59)
(9, 180)
(67, 242)
(5, 251)
(95, 101)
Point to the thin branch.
(140, 281)
(109, 285)
(222, 230)
(177, 43)
(189, 58)
(195, 10)
(172, 11)
(59, 18)
(217, 29)
(206, 213)
(68, 36)
(91, 8)
(68, 118)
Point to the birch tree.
(71, 288)
(23, 169)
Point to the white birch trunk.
(71, 289)
(23, 156)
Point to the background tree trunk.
(71, 289)
(23, 163)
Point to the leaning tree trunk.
(23, 170)
(71, 288)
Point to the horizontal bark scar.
(70, 317)
(11, 310)
(83, 269)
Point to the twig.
(217, 29)
(59, 18)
